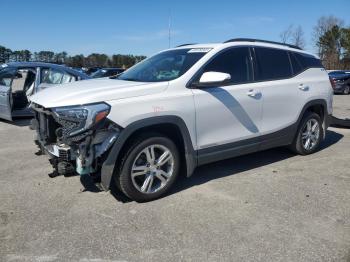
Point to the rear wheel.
(149, 168)
(309, 136)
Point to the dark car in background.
(20, 80)
(106, 72)
(90, 70)
(341, 81)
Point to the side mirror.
(209, 79)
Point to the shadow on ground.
(244, 163)
(223, 168)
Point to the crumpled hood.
(93, 91)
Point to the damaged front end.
(76, 138)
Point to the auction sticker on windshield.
(199, 50)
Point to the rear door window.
(297, 66)
(272, 64)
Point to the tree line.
(92, 60)
(331, 40)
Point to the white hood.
(93, 91)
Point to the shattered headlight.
(77, 119)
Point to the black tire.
(123, 179)
(297, 145)
(346, 90)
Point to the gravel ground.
(267, 206)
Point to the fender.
(109, 165)
(326, 117)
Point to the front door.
(233, 112)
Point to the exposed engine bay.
(76, 139)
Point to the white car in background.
(182, 108)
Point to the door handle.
(253, 93)
(303, 88)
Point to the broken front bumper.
(83, 153)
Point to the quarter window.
(235, 62)
(308, 61)
(272, 64)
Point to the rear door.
(281, 92)
(6, 77)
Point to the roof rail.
(186, 44)
(259, 40)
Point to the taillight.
(332, 82)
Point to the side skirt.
(280, 138)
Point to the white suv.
(181, 108)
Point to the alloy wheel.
(152, 169)
(310, 134)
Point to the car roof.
(50, 65)
(247, 42)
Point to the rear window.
(272, 64)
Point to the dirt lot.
(268, 206)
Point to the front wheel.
(149, 168)
(346, 90)
(309, 136)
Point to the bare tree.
(294, 36)
(286, 35)
(298, 38)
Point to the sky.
(141, 27)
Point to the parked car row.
(340, 81)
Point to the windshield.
(164, 66)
